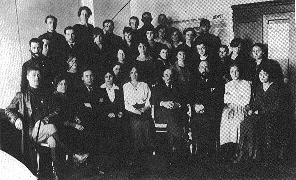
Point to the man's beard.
(35, 54)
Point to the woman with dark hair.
(137, 96)
(112, 108)
(236, 97)
(145, 64)
(260, 131)
(72, 133)
(84, 30)
(161, 32)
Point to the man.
(134, 24)
(146, 19)
(206, 108)
(211, 40)
(170, 104)
(33, 112)
(111, 41)
(57, 40)
(37, 60)
(72, 47)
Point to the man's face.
(201, 49)
(162, 19)
(51, 24)
(167, 76)
(34, 78)
(45, 47)
(120, 55)
(108, 27)
(203, 68)
(88, 77)
(146, 18)
(35, 49)
(204, 29)
(70, 36)
(128, 37)
(133, 23)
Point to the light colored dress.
(237, 96)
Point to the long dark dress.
(260, 132)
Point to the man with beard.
(206, 107)
(37, 60)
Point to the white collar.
(113, 87)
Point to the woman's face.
(128, 37)
(234, 73)
(120, 55)
(84, 16)
(134, 74)
(150, 35)
(109, 78)
(73, 64)
(222, 52)
(201, 49)
(164, 54)
(175, 36)
(161, 33)
(62, 86)
(116, 69)
(236, 50)
(263, 76)
(189, 36)
(257, 52)
(142, 48)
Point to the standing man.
(37, 60)
(57, 40)
(33, 112)
(211, 40)
(146, 19)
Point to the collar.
(113, 87)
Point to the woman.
(161, 32)
(237, 97)
(84, 30)
(137, 104)
(260, 132)
(72, 133)
(145, 64)
(112, 108)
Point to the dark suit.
(175, 118)
(31, 106)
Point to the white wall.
(14, 47)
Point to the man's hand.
(111, 115)
(199, 108)
(120, 114)
(18, 124)
(87, 105)
(137, 112)
(79, 127)
(167, 104)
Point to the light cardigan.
(110, 92)
(136, 95)
(237, 93)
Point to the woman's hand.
(120, 114)
(18, 124)
(167, 104)
(79, 127)
(111, 115)
(199, 108)
(138, 112)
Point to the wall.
(189, 9)
(107, 9)
(14, 48)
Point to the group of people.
(91, 92)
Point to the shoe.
(80, 158)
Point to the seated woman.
(70, 129)
(171, 108)
(137, 104)
(260, 131)
(236, 97)
(112, 108)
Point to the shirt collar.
(113, 87)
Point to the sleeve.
(128, 97)
(272, 102)
(54, 111)
(148, 95)
(13, 108)
(227, 95)
(245, 95)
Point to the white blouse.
(238, 93)
(136, 95)
(111, 91)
